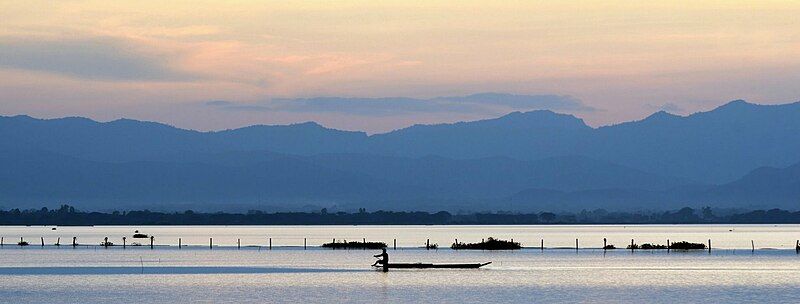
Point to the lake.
(89, 273)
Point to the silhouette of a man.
(383, 261)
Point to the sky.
(382, 65)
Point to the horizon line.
(743, 101)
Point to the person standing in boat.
(384, 259)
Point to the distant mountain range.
(738, 155)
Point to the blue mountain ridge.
(523, 160)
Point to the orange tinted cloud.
(620, 56)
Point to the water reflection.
(165, 270)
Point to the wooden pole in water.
(752, 246)
(631, 245)
(180, 243)
(542, 244)
(669, 246)
(124, 242)
(395, 244)
(270, 243)
(58, 241)
(797, 247)
(604, 244)
(21, 240)
(576, 244)
(304, 243)
(2, 241)
(42, 241)
(709, 245)
(105, 242)
(210, 243)
(428, 244)
(74, 241)
(152, 238)
(456, 241)
(238, 243)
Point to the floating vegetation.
(140, 236)
(684, 245)
(355, 245)
(106, 244)
(647, 246)
(23, 243)
(609, 246)
(490, 244)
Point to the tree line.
(68, 215)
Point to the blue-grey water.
(89, 273)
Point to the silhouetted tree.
(547, 217)
(707, 213)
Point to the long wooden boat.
(429, 265)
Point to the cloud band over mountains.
(476, 103)
(88, 57)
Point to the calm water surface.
(92, 274)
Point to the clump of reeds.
(684, 245)
(355, 245)
(490, 244)
(648, 246)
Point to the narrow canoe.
(428, 265)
